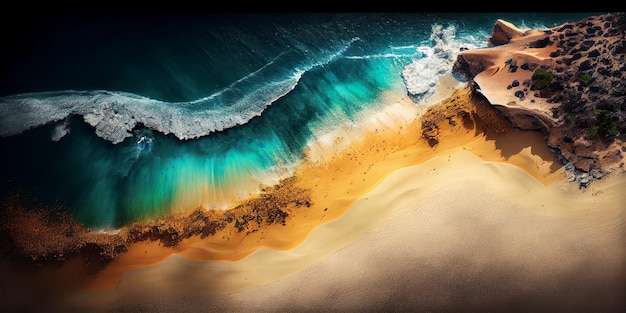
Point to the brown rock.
(503, 32)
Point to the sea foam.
(421, 76)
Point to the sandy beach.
(467, 238)
(482, 221)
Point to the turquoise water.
(248, 91)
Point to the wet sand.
(479, 222)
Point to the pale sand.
(408, 227)
(462, 234)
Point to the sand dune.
(475, 235)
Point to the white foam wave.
(422, 75)
(382, 56)
(115, 114)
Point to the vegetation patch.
(542, 78)
(586, 79)
(606, 124)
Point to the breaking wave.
(115, 114)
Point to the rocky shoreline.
(567, 82)
(36, 236)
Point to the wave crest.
(420, 77)
(114, 114)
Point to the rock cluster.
(465, 108)
(32, 235)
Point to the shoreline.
(338, 183)
(341, 180)
(324, 245)
(470, 203)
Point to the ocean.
(119, 117)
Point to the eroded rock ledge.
(568, 81)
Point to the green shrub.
(585, 79)
(569, 117)
(542, 77)
(611, 130)
(593, 132)
(606, 124)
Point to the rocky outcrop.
(465, 108)
(503, 32)
(568, 81)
